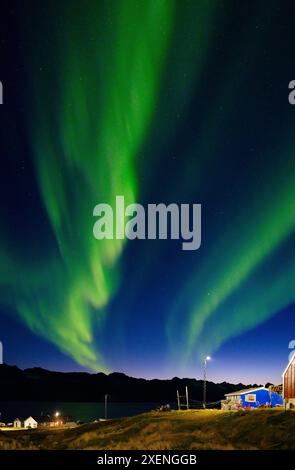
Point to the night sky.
(160, 101)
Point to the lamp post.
(56, 414)
(207, 358)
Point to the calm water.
(78, 411)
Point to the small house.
(30, 423)
(289, 383)
(17, 423)
(252, 398)
(55, 420)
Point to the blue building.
(252, 398)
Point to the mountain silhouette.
(37, 384)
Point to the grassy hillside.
(260, 429)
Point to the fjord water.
(81, 411)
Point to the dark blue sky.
(189, 106)
(258, 356)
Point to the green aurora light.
(93, 108)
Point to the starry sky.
(159, 101)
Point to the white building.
(30, 423)
(17, 423)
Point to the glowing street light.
(57, 413)
(207, 358)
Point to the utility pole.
(205, 380)
(178, 400)
(186, 393)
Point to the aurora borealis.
(159, 101)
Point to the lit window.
(250, 397)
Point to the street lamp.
(207, 358)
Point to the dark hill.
(43, 385)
